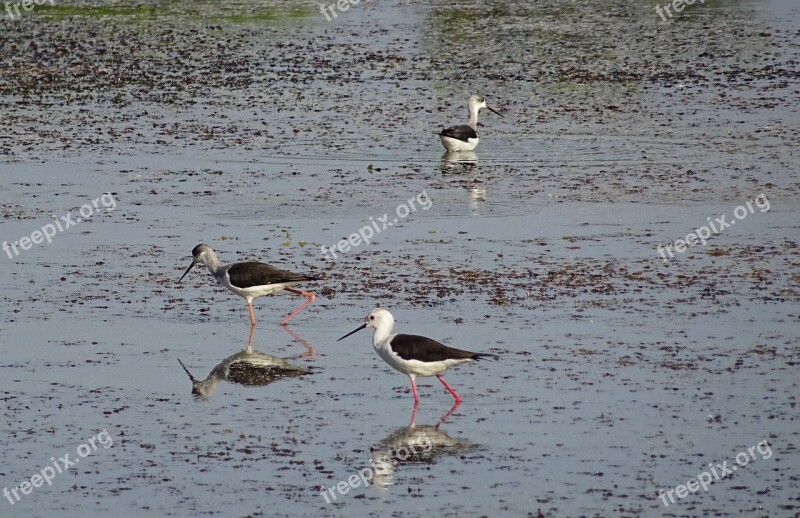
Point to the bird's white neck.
(381, 337)
(473, 117)
(212, 263)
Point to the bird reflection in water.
(466, 162)
(456, 163)
(250, 367)
(413, 444)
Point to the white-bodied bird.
(411, 354)
(464, 137)
(252, 279)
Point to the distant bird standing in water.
(464, 137)
(252, 279)
(411, 354)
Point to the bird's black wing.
(462, 132)
(424, 349)
(249, 274)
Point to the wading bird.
(252, 279)
(464, 137)
(411, 354)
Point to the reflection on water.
(413, 444)
(466, 162)
(248, 367)
(477, 194)
(459, 162)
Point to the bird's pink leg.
(449, 388)
(307, 295)
(414, 389)
(252, 315)
(250, 339)
(414, 415)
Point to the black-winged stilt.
(252, 279)
(464, 137)
(411, 354)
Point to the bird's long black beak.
(356, 330)
(187, 370)
(187, 271)
(495, 111)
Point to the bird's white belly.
(254, 291)
(416, 367)
(453, 144)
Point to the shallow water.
(265, 131)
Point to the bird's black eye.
(372, 317)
